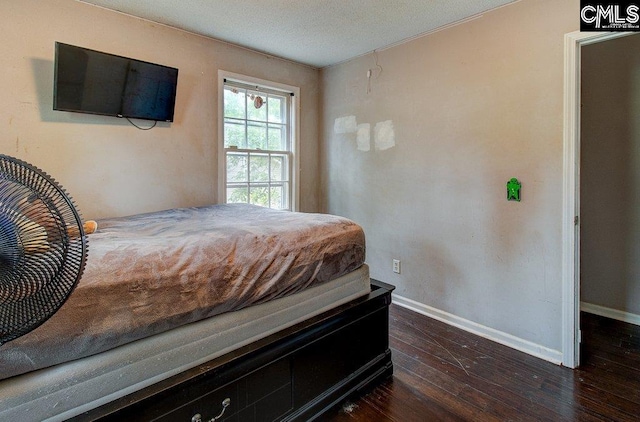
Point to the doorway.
(571, 192)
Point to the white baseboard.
(610, 313)
(509, 340)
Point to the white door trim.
(571, 191)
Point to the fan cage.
(43, 247)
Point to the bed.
(271, 309)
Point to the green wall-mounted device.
(513, 190)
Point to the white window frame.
(294, 131)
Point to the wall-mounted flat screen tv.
(88, 81)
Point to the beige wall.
(610, 174)
(109, 167)
(471, 106)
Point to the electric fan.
(43, 247)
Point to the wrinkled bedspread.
(149, 273)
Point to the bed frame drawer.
(264, 394)
(293, 375)
(206, 407)
(268, 392)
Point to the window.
(258, 141)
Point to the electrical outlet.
(396, 266)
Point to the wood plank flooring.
(442, 373)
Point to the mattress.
(71, 388)
(150, 273)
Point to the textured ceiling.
(318, 33)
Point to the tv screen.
(88, 81)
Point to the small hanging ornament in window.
(258, 101)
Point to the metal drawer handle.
(225, 403)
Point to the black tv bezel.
(55, 86)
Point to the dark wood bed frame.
(293, 375)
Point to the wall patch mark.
(345, 124)
(363, 137)
(384, 135)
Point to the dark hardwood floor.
(442, 373)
